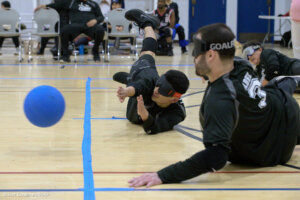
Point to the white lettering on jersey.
(84, 7)
(253, 87)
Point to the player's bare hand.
(148, 180)
(121, 94)
(141, 109)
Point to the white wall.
(282, 7)
(231, 15)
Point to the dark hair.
(218, 33)
(178, 80)
(251, 43)
(5, 4)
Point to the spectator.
(167, 23)
(6, 5)
(178, 28)
(85, 17)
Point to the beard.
(202, 68)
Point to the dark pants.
(180, 32)
(296, 68)
(70, 31)
(14, 39)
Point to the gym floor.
(47, 163)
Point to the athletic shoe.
(65, 59)
(121, 77)
(96, 57)
(141, 18)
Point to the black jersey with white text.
(164, 18)
(248, 120)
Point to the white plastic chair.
(46, 19)
(9, 19)
(117, 18)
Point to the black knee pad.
(167, 32)
(149, 44)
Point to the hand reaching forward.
(147, 180)
(121, 94)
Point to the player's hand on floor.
(141, 110)
(121, 94)
(147, 180)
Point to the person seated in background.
(269, 63)
(64, 20)
(167, 23)
(85, 17)
(178, 28)
(6, 5)
(104, 6)
(120, 4)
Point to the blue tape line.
(149, 189)
(89, 193)
(93, 118)
(180, 130)
(192, 106)
(187, 95)
(188, 128)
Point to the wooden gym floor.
(47, 163)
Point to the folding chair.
(117, 18)
(46, 20)
(9, 19)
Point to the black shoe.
(141, 18)
(53, 51)
(183, 50)
(170, 53)
(97, 57)
(65, 59)
(40, 52)
(121, 77)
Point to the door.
(204, 12)
(250, 27)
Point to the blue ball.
(44, 106)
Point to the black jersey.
(247, 119)
(242, 123)
(274, 63)
(164, 18)
(143, 78)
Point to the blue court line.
(193, 93)
(89, 192)
(192, 106)
(188, 128)
(111, 118)
(180, 130)
(150, 190)
(291, 166)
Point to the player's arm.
(165, 121)
(272, 68)
(172, 19)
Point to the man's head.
(252, 51)
(115, 4)
(161, 4)
(169, 87)
(5, 5)
(213, 44)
